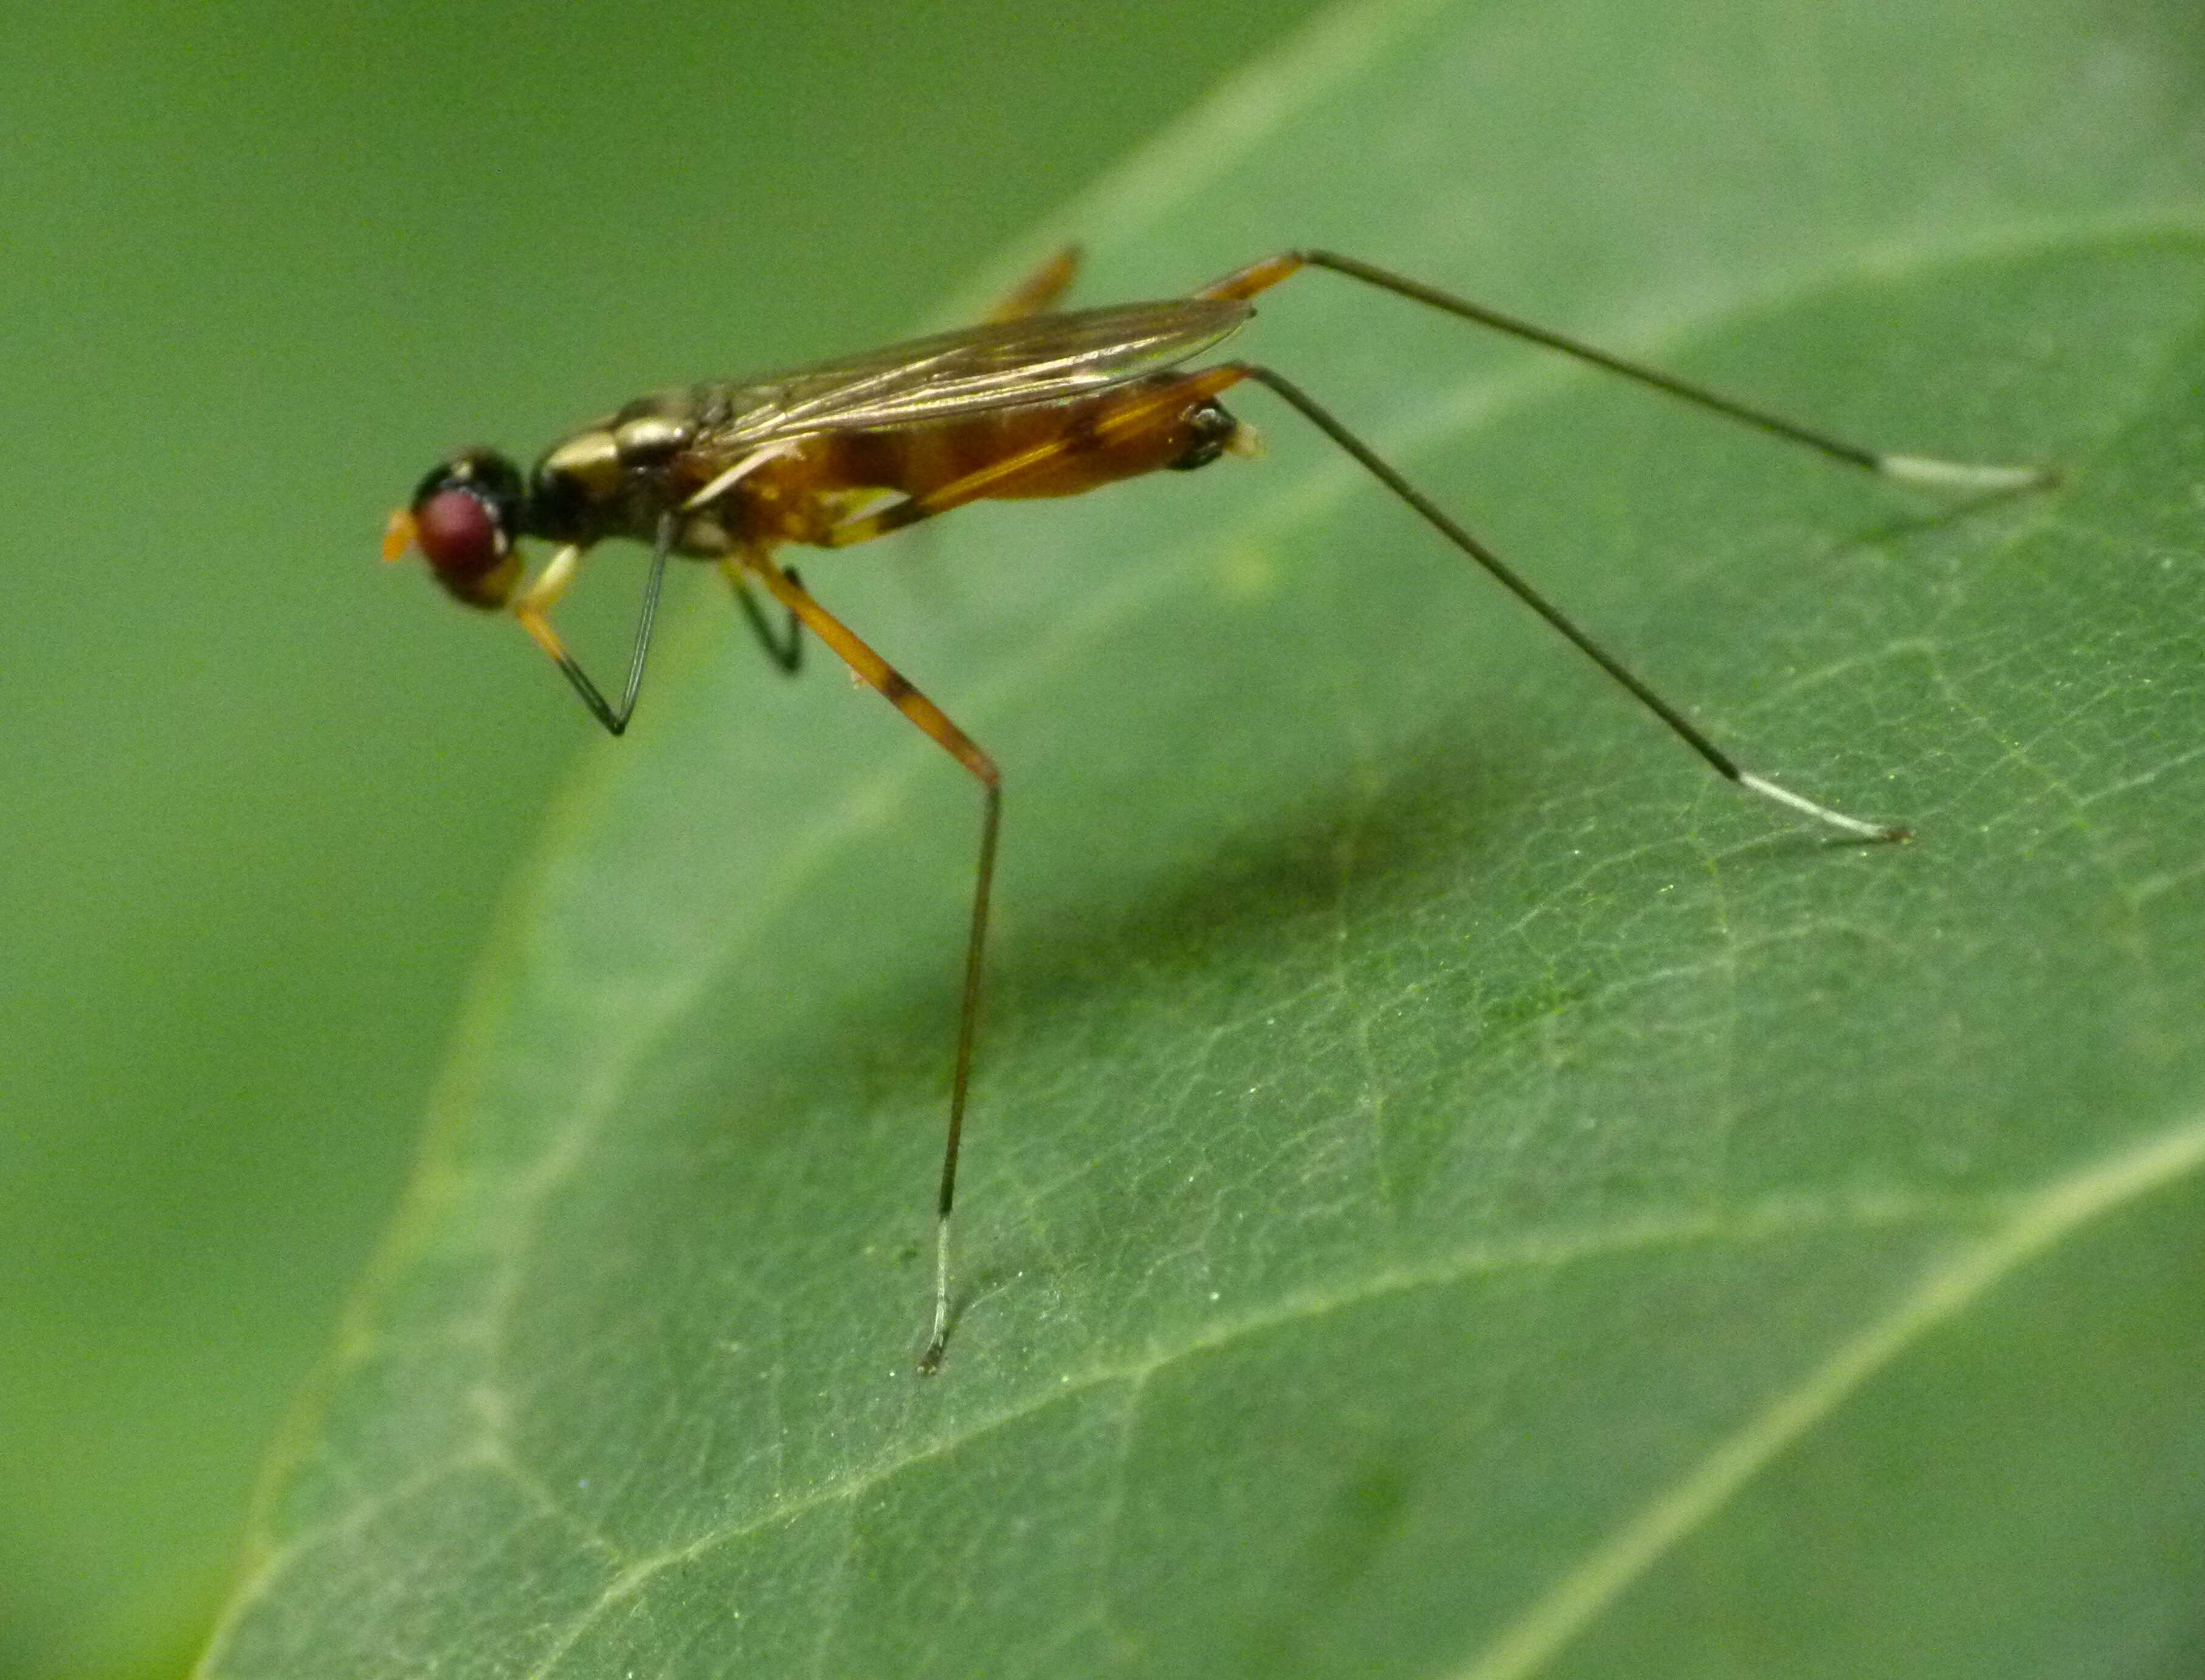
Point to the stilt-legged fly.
(1030, 403)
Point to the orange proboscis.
(398, 536)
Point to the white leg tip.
(1851, 825)
(1963, 475)
(937, 1341)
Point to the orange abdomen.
(1085, 451)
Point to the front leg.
(534, 606)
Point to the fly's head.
(466, 517)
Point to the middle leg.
(893, 687)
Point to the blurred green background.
(264, 265)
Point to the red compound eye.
(459, 536)
(465, 517)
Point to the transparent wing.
(1040, 359)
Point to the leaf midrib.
(2038, 1223)
(2012, 1230)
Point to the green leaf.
(1452, 1188)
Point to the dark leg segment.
(1509, 580)
(786, 650)
(1941, 475)
(531, 613)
